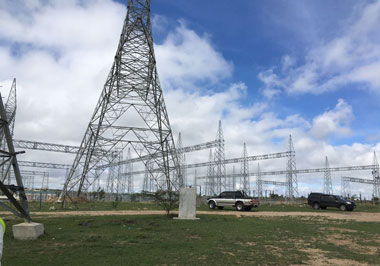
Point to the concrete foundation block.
(27, 231)
(187, 204)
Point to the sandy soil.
(356, 216)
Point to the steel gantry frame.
(375, 181)
(345, 185)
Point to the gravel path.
(356, 216)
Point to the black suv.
(322, 201)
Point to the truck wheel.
(211, 205)
(316, 206)
(220, 207)
(239, 206)
(343, 208)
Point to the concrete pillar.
(187, 204)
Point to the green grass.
(104, 206)
(93, 206)
(212, 240)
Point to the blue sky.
(267, 69)
(255, 35)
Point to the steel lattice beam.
(234, 160)
(44, 165)
(43, 146)
(307, 171)
(197, 147)
(358, 180)
(276, 183)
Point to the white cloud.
(186, 58)
(353, 56)
(334, 122)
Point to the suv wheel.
(343, 208)
(239, 206)
(211, 205)
(316, 206)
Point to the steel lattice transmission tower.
(291, 175)
(184, 171)
(210, 181)
(233, 178)
(128, 170)
(345, 187)
(131, 110)
(11, 166)
(327, 183)
(376, 177)
(220, 166)
(181, 160)
(114, 182)
(244, 171)
(259, 182)
(10, 109)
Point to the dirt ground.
(355, 216)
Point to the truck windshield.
(339, 198)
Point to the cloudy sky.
(267, 69)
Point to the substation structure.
(130, 125)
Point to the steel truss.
(131, 110)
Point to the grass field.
(104, 206)
(212, 240)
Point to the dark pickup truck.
(237, 199)
(322, 201)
